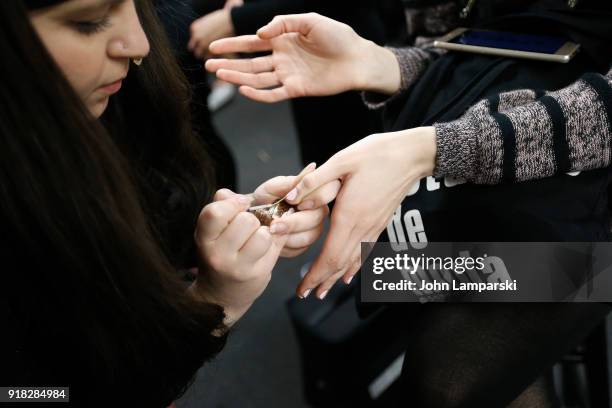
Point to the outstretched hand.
(311, 55)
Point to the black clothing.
(473, 355)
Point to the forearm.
(521, 135)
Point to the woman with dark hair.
(98, 215)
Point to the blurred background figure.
(176, 16)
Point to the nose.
(131, 40)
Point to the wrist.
(206, 292)
(420, 145)
(378, 69)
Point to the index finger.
(215, 217)
(333, 169)
(276, 187)
(243, 43)
(290, 23)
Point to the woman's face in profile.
(93, 42)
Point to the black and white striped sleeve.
(524, 135)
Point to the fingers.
(304, 239)
(238, 232)
(332, 170)
(243, 43)
(252, 65)
(301, 221)
(337, 249)
(215, 217)
(261, 80)
(349, 265)
(257, 245)
(354, 267)
(266, 96)
(277, 187)
(321, 196)
(294, 23)
(292, 253)
(224, 194)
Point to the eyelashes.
(91, 27)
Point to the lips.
(112, 88)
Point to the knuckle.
(212, 212)
(334, 264)
(309, 181)
(247, 220)
(263, 234)
(224, 192)
(215, 261)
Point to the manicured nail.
(348, 282)
(279, 228)
(292, 194)
(322, 296)
(306, 205)
(305, 294)
(311, 166)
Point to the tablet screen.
(511, 41)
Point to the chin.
(97, 108)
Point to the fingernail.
(278, 228)
(292, 194)
(311, 166)
(322, 296)
(348, 282)
(306, 205)
(305, 294)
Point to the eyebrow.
(94, 6)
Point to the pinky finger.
(292, 252)
(267, 96)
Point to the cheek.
(82, 66)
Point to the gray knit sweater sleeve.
(412, 62)
(525, 134)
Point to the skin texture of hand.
(238, 255)
(311, 55)
(376, 173)
(209, 28)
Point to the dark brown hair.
(88, 299)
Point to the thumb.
(292, 23)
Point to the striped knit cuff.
(457, 145)
(412, 62)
